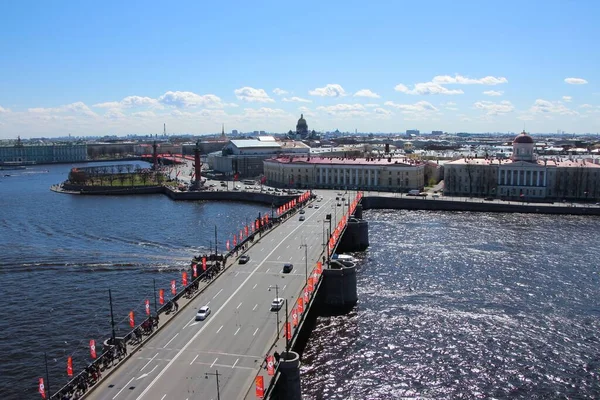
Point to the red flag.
(41, 388)
(295, 317)
(260, 387)
(184, 279)
(234, 240)
(246, 230)
(173, 287)
(241, 236)
(204, 262)
(319, 267)
(93, 348)
(131, 319)
(306, 296)
(267, 218)
(195, 270)
(288, 331)
(70, 366)
(253, 228)
(227, 245)
(310, 284)
(147, 307)
(300, 305)
(271, 365)
(161, 296)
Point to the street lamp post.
(305, 260)
(216, 373)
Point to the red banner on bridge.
(41, 388)
(300, 305)
(173, 287)
(204, 262)
(227, 245)
(288, 330)
(93, 349)
(161, 296)
(184, 278)
(70, 366)
(295, 317)
(260, 387)
(271, 365)
(195, 270)
(131, 319)
(147, 307)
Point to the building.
(413, 132)
(245, 156)
(43, 153)
(389, 174)
(523, 176)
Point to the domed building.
(302, 127)
(523, 177)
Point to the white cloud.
(108, 104)
(345, 110)
(382, 111)
(493, 92)
(461, 80)
(449, 104)
(253, 95)
(426, 88)
(4, 110)
(586, 106)
(128, 102)
(416, 111)
(77, 108)
(296, 99)
(114, 114)
(280, 92)
(366, 93)
(567, 99)
(492, 108)
(330, 90)
(264, 112)
(144, 114)
(190, 99)
(575, 81)
(541, 106)
(371, 105)
(307, 112)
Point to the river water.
(451, 305)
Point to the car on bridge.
(244, 259)
(276, 304)
(302, 218)
(287, 268)
(203, 312)
(302, 211)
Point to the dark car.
(302, 211)
(489, 199)
(244, 259)
(287, 268)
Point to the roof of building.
(252, 143)
(553, 162)
(400, 162)
(266, 138)
(523, 138)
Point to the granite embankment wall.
(375, 202)
(263, 198)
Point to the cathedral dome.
(523, 138)
(302, 122)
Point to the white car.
(203, 312)
(277, 304)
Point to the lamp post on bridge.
(216, 374)
(276, 287)
(305, 259)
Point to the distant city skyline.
(466, 66)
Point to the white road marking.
(127, 384)
(220, 329)
(194, 359)
(217, 293)
(288, 246)
(267, 271)
(148, 362)
(236, 332)
(186, 325)
(254, 287)
(254, 334)
(208, 303)
(303, 258)
(163, 398)
(147, 373)
(211, 365)
(239, 305)
(278, 257)
(263, 249)
(291, 258)
(234, 364)
(171, 340)
(284, 286)
(255, 307)
(236, 274)
(226, 366)
(184, 348)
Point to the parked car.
(276, 304)
(287, 268)
(203, 312)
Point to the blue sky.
(89, 68)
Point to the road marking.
(278, 257)
(234, 364)
(303, 258)
(267, 271)
(236, 332)
(194, 359)
(254, 287)
(288, 246)
(171, 340)
(147, 373)
(123, 388)
(284, 286)
(220, 329)
(263, 249)
(255, 307)
(211, 365)
(217, 293)
(291, 258)
(236, 274)
(186, 325)
(239, 305)
(254, 334)
(226, 366)
(208, 303)
(184, 348)
(163, 398)
(148, 362)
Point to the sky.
(114, 67)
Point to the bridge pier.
(289, 383)
(340, 286)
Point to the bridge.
(225, 356)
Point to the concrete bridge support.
(340, 286)
(356, 236)
(289, 382)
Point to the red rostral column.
(197, 165)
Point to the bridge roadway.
(240, 330)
